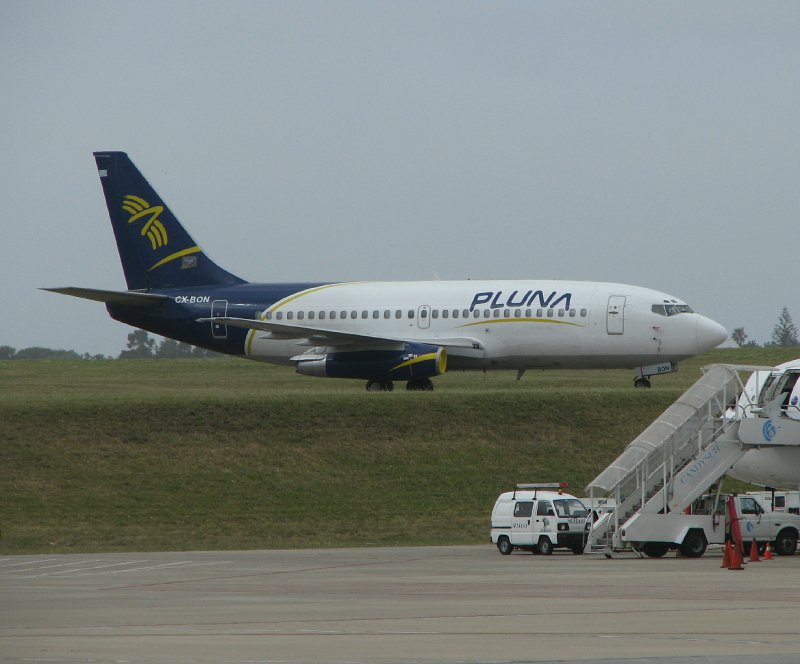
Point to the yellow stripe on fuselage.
(251, 334)
(486, 321)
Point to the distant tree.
(171, 349)
(140, 345)
(785, 331)
(40, 353)
(7, 352)
(739, 336)
(89, 356)
(203, 352)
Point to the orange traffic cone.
(768, 552)
(754, 552)
(736, 558)
(726, 556)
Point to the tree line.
(783, 334)
(140, 345)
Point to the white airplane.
(776, 467)
(381, 331)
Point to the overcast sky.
(651, 143)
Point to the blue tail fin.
(155, 250)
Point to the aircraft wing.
(129, 298)
(320, 336)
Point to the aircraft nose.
(710, 334)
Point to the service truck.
(539, 518)
(654, 534)
(778, 501)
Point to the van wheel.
(786, 543)
(545, 546)
(694, 544)
(577, 550)
(504, 545)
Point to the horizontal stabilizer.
(128, 298)
(320, 336)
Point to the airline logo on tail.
(139, 208)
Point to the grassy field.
(218, 454)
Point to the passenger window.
(423, 313)
(465, 313)
(506, 313)
(538, 313)
(583, 313)
(544, 508)
(376, 314)
(268, 315)
(549, 313)
(455, 313)
(322, 315)
(387, 314)
(364, 314)
(445, 313)
(486, 313)
(301, 315)
(561, 313)
(497, 313)
(398, 313)
(289, 315)
(572, 313)
(353, 314)
(523, 509)
(411, 313)
(528, 313)
(435, 313)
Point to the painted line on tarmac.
(36, 567)
(257, 574)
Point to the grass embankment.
(217, 454)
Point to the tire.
(655, 549)
(786, 543)
(694, 544)
(545, 546)
(504, 545)
(577, 550)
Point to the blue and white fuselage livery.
(380, 332)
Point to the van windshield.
(570, 507)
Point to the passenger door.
(615, 315)
(545, 516)
(219, 308)
(754, 522)
(521, 526)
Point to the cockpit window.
(671, 309)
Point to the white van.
(539, 518)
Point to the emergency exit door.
(615, 317)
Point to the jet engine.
(413, 361)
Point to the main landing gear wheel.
(641, 382)
(420, 385)
(379, 386)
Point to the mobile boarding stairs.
(684, 452)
